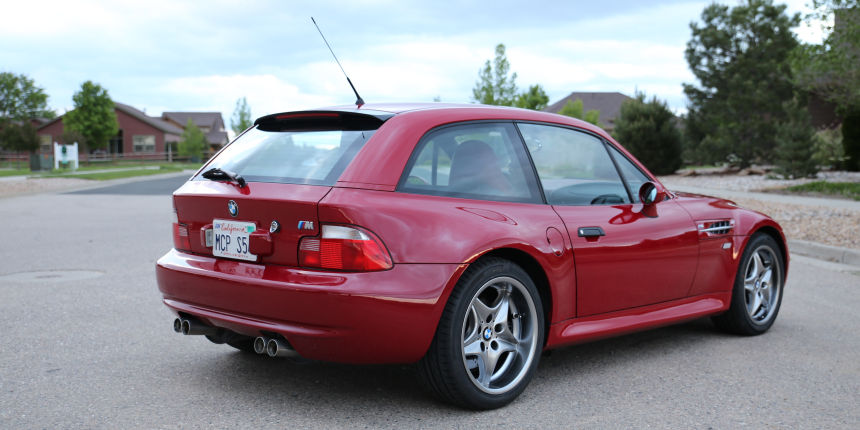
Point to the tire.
(757, 292)
(489, 339)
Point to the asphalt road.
(94, 348)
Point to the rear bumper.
(374, 317)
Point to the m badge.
(306, 225)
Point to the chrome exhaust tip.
(260, 345)
(177, 325)
(280, 348)
(190, 327)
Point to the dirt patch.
(15, 187)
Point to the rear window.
(316, 157)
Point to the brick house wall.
(152, 133)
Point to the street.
(85, 342)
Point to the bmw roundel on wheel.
(466, 238)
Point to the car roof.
(457, 111)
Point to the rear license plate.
(231, 239)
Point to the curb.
(825, 252)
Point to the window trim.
(531, 179)
(647, 175)
(134, 145)
(620, 172)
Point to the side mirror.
(650, 193)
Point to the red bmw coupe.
(467, 238)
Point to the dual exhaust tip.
(274, 347)
(190, 327)
(271, 346)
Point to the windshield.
(292, 157)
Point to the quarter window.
(476, 160)
(574, 167)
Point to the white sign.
(66, 155)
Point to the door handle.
(590, 232)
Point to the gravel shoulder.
(17, 186)
(834, 224)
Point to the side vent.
(715, 228)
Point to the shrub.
(794, 143)
(648, 131)
(851, 140)
(828, 150)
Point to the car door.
(624, 258)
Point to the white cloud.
(265, 93)
(180, 55)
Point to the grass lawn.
(103, 176)
(14, 172)
(849, 190)
(131, 164)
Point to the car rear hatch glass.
(288, 163)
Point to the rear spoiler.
(322, 120)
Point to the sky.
(176, 55)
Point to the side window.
(632, 175)
(474, 160)
(574, 167)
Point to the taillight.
(181, 239)
(344, 248)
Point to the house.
(139, 136)
(210, 123)
(608, 103)
(144, 136)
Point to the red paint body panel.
(617, 271)
(199, 202)
(346, 317)
(439, 238)
(617, 323)
(646, 272)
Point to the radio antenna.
(358, 100)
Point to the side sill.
(578, 330)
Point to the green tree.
(496, 86)
(648, 130)
(740, 57)
(832, 69)
(241, 118)
(794, 143)
(592, 116)
(193, 142)
(94, 116)
(21, 99)
(535, 98)
(19, 136)
(574, 109)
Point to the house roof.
(153, 121)
(156, 122)
(200, 119)
(217, 137)
(608, 103)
